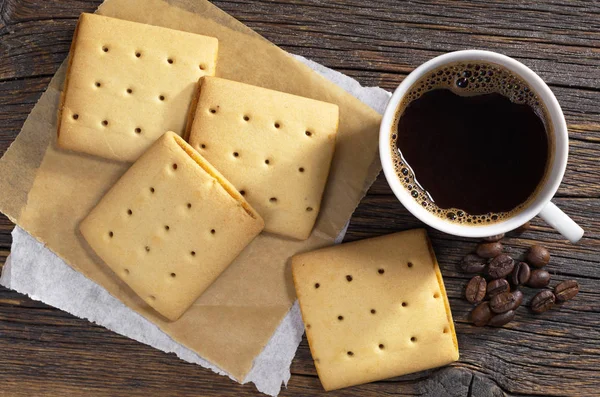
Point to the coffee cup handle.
(561, 222)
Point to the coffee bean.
(538, 256)
(539, 278)
(566, 290)
(524, 227)
(503, 302)
(481, 314)
(476, 288)
(502, 319)
(520, 274)
(494, 238)
(473, 264)
(543, 301)
(500, 266)
(496, 287)
(518, 298)
(489, 250)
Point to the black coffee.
(470, 142)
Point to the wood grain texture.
(48, 352)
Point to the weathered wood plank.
(396, 36)
(17, 98)
(22, 11)
(93, 354)
(391, 35)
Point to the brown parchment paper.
(48, 191)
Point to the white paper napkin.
(34, 270)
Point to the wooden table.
(44, 351)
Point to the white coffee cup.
(540, 205)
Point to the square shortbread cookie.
(275, 148)
(127, 84)
(170, 226)
(374, 309)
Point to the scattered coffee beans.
(476, 289)
(543, 301)
(566, 290)
(501, 266)
(473, 264)
(520, 274)
(489, 250)
(503, 302)
(493, 239)
(538, 256)
(502, 319)
(496, 287)
(539, 278)
(481, 314)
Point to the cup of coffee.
(474, 144)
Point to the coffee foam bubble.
(465, 79)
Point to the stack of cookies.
(256, 158)
(215, 163)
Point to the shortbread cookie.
(275, 148)
(374, 309)
(127, 84)
(170, 226)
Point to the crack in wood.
(470, 391)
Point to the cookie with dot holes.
(170, 226)
(374, 309)
(127, 83)
(276, 148)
